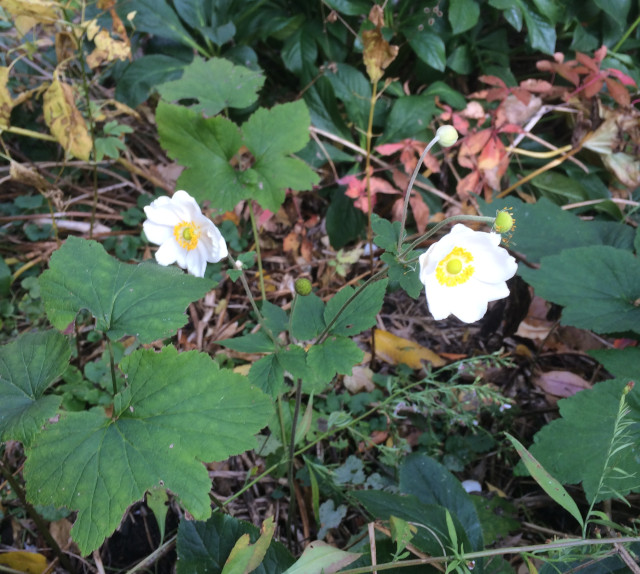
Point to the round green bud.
(303, 286)
(504, 222)
(447, 136)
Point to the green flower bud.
(303, 286)
(447, 136)
(504, 221)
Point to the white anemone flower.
(184, 234)
(463, 271)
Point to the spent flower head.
(463, 271)
(184, 234)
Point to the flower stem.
(259, 315)
(414, 175)
(256, 237)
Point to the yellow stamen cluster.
(455, 269)
(187, 234)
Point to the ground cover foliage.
(297, 409)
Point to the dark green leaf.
(432, 534)
(360, 314)
(335, 355)
(142, 76)
(252, 343)
(203, 547)
(344, 221)
(178, 411)
(408, 276)
(350, 7)
(542, 228)
(431, 483)
(541, 34)
(598, 285)
(145, 300)
(28, 366)
(307, 320)
(275, 317)
(409, 118)
(268, 375)
(385, 233)
(300, 50)
(429, 47)
(463, 15)
(616, 9)
(217, 84)
(621, 363)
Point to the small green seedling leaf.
(246, 557)
(157, 499)
(216, 84)
(320, 558)
(177, 411)
(145, 300)
(28, 366)
(401, 533)
(549, 484)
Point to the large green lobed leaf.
(145, 300)
(598, 285)
(178, 411)
(216, 84)
(208, 147)
(28, 366)
(575, 447)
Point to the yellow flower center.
(455, 269)
(187, 234)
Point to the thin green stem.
(292, 449)
(259, 315)
(494, 552)
(626, 34)
(414, 175)
(256, 238)
(367, 168)
(39, 521)
(112, 364)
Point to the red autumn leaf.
(588, 62)
(491, 154)
(493, 81)
(592, 85)
(618, 92)
(621, 76)
(536, 86)
(471, 147)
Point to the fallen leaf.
(396, 350)
(359, 380)
(560, 384)
(23, 561)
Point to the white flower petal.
(196, 263)
(157, 233)
(168, 252)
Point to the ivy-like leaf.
(216, 84)
(178, 411)
(145, 300)
(28, 366)
(598, 285)
(360, 314)
(574, 449)
(208, 147)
